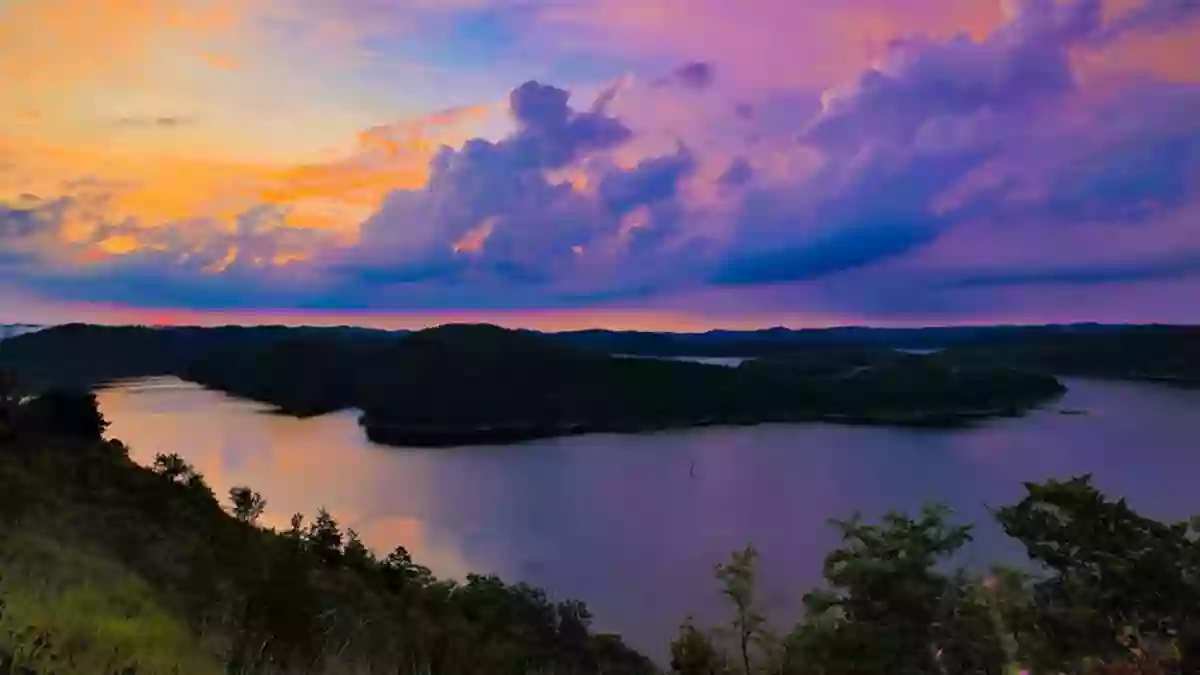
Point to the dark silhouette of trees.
(1117, 595)
(693, 652)
(324, 538)
(64, 412)
(248, 505)
(464, 384)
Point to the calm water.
(620, 522)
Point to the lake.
(632, 525)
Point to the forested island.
(478, 384)
(110, 568)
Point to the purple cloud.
(924, 187)
(695, 75)
(551, 134)
(738, 174)
(652, 181)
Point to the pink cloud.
(767, 43)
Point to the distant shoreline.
(397, 435)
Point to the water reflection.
(621, 521)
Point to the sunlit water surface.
(633, 524)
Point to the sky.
(634, 164)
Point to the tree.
(248, 506)
(738, 578)
(66, 412)
(324, 537)
(355, 553)
(400, 568)
(1122, 588)
(967, 630)
(173, 467)
(880, 614)
(693, 653)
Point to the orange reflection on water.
(298, 466)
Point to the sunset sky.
(659, 164)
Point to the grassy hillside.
(110, 568)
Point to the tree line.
(307, 599)
(1108, 591)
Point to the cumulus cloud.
(652, 181)
(898, 192)
(550, 134)
(491, 211)
(905, 135)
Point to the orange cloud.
(199, 199)
(49, 44)
(1171, 55)
(475, 238)
(219, 60)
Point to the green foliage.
(738, 578)
(1120, 586)
(106, 567)
(693, 653)
(71, 611)
(1119, 595)
(117, 567)
(888, 609)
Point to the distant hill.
(781, 340)
(470, 384)
(467, 384)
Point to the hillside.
(108, 568)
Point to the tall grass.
(67, 611)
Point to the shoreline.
(413, 436)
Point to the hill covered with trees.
(465, 384)
(109, 568)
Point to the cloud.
(907, 133)
(1153, 15)
(550, 134)
(16, 222)
(495, 187)
(1109, 272)
(739, 173)
(652, 181)
(760, 44)
(697, 75)
(936, 182)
